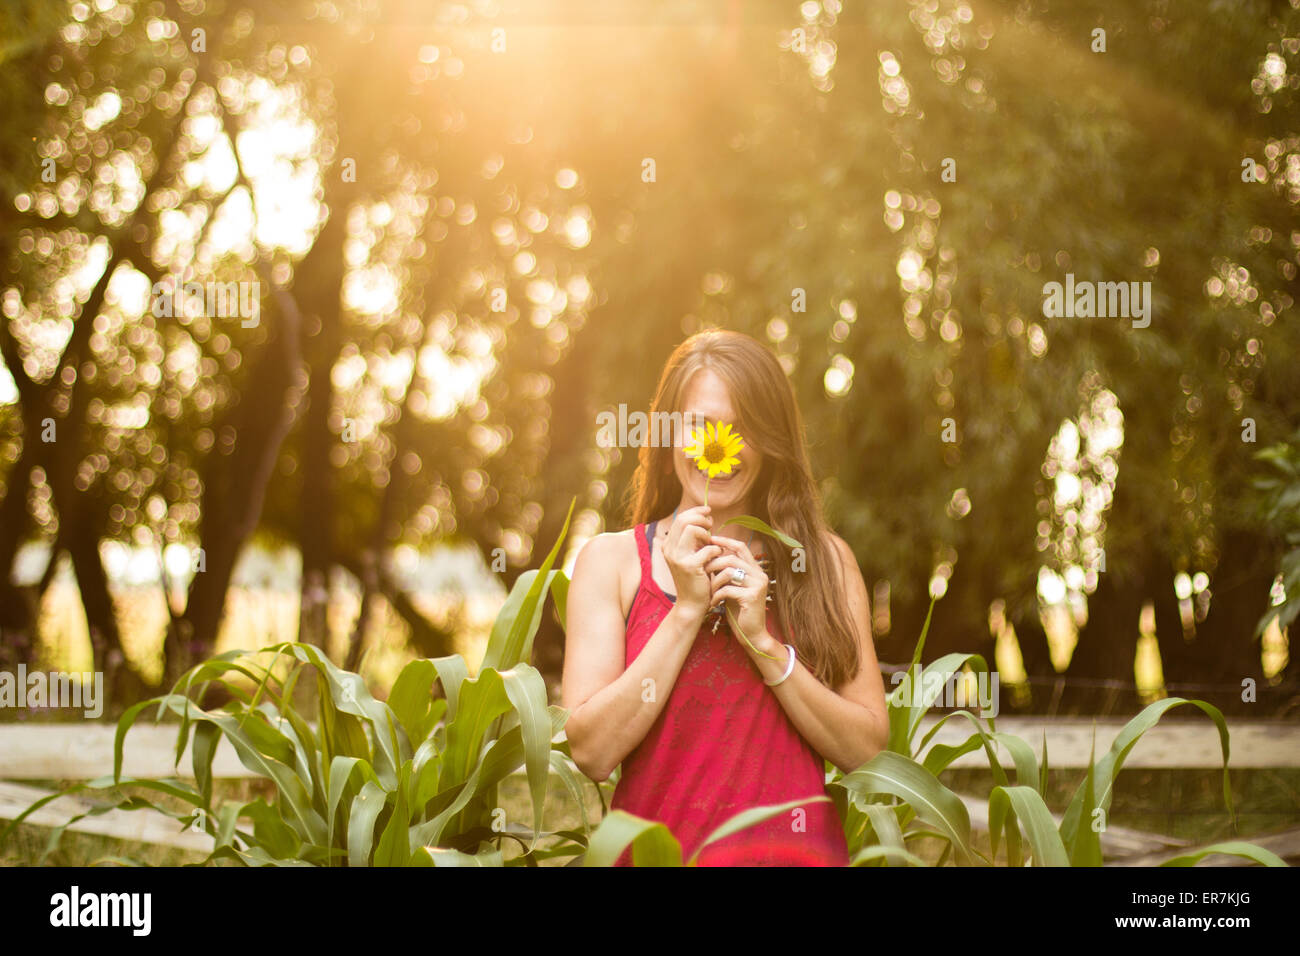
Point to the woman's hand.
(687, 551)
(747, 600)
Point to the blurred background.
(474, 227)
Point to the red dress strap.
(643, 552)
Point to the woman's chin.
(726, 491)
(721, 492)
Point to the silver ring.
(738, 575)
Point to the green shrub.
(408, 781)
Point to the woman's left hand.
(747, 600)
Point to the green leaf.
(275, 836)
(1042, 776)
(266, 678)
(502, 757)
(893, 774)
(266, 739)
(1040, 828)
(125, 723)
(884, 823)
(227, 820)
(560, 594)
(512, 633)
(453, 672)
(748, 818)
(1231, 848)
(938, 757)
(1026, 765)
(569, 777)
(1077, 814)
(446, 857)
(432, 832)
(527, 692)
(411, 698)
(425, 769)
(256, 856)
(506, 754)
(1085, 848)
(361, 823)
(923, 686)
(901, 854)
(206, 737)
(394, 844)
(482, 700)
(246, 739)
(900, 710)
(348, 694)
(762, 527)
(340, 774)
(652, 843)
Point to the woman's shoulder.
(610, 560)
(609, 551)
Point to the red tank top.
(723, 744)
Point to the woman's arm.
(611, 708)
(850, 725)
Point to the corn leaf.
(652, 843)
(1231, 848)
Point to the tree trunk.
(235, 475)
(322, 273)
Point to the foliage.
(412, 781)
(778, 171)
(408, 781)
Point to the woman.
(708, 722)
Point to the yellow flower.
(715, 450)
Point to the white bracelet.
(789, 669)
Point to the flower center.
(714, 453)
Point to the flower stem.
(706, 491)
(731, 619)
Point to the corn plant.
(408, 781)
(895, 800)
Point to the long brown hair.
(809, 603)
